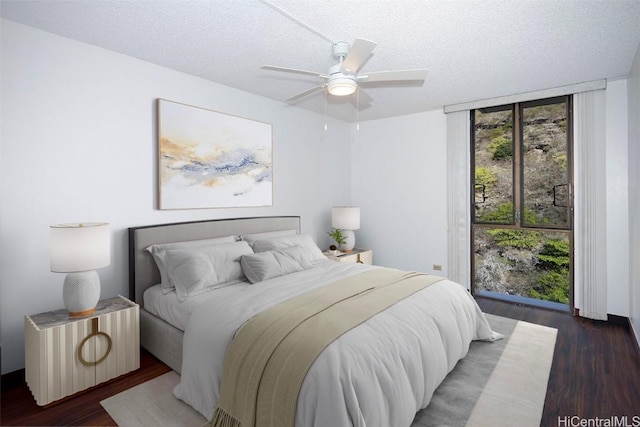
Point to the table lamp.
(78, 250)
(347, 219)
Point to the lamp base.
(81, 292)
(349, 241)
(82, 313)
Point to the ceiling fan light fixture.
(342, 86)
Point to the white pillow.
(158, 252)
(193, 271)
(305, 241)
(266, 235)
(267, 265)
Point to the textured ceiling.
(473, 49)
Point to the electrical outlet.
(437, 267)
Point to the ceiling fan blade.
(358, 54)
(362, 97)
(306, 92)
(293, 70)
(398, 75)
(360, 100)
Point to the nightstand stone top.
(61, 316)
(354, 251)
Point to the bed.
(379, 371)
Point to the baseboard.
(611, 318)
(619, 320)
(12, 379)
(635, 337)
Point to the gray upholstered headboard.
(143, 272)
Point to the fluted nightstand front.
(64, 355)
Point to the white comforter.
(378, 374)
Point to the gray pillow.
(193, 271)
(250, 238)
(267, 265)
(158, 252)
(305, 241)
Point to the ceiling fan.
(343, 78)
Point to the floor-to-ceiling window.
(522, 216)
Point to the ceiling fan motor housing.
(340, 49)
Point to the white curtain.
(590, 205)
(458, 197)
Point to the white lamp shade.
(345, 217)
(80, 247)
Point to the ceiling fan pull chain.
(325, 110)
(358, 109)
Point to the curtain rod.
(528, 96)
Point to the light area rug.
(500, 383)
(152, 404)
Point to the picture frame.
(209, 159)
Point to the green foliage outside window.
(554, 254)
(501, 148)
(553, 283)
(552, 287)
(486, 177)
(515, 238)
(561, 159)
(504, 214)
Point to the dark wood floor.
(595, 373)
(18, 407)
(596, 366)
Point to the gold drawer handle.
(94, 332)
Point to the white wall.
(633, 91)
(78, 143)
(399, 180)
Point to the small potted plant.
(338, 237)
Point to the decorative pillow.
(267, 265)
(266, 235)
(305, 241)
(158, 252)
(193, 271)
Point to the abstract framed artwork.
(208, 159)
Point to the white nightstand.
(363, 256)
(64, 355)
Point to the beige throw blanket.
(267, 361)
